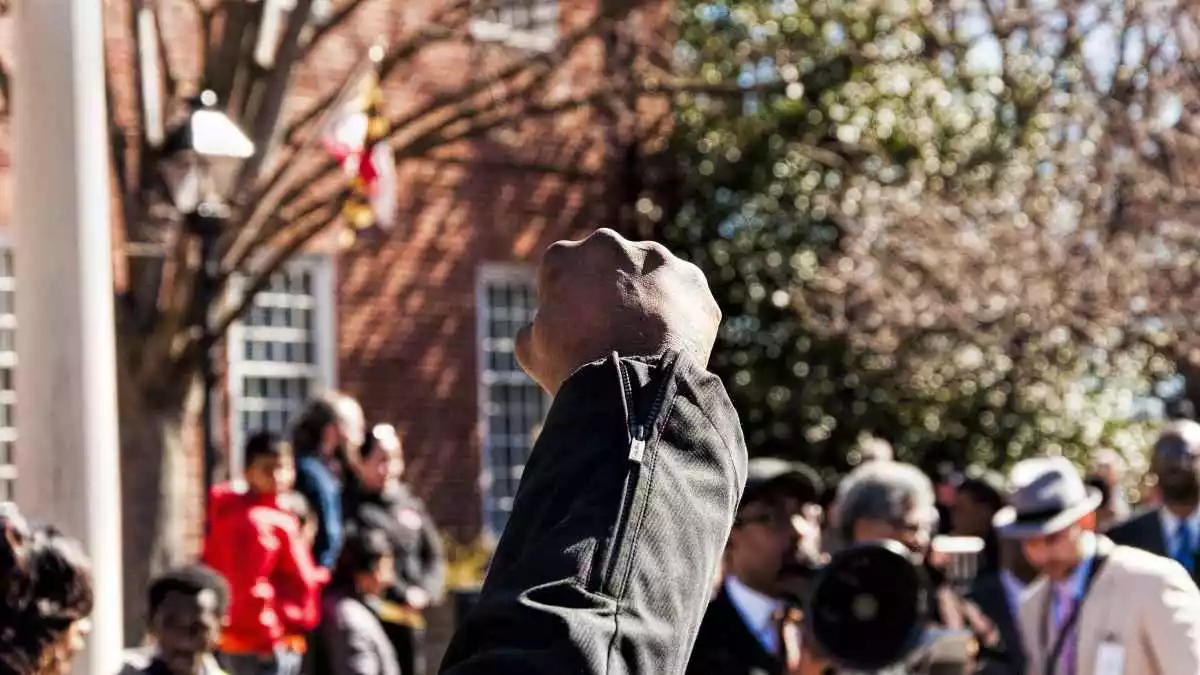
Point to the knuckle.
(608, 240)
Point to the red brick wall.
(406, 314)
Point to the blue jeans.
(282, 662)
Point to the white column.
(67, 447)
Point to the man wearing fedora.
(1096, 608)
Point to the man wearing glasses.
(775, 538)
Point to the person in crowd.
(46, 584)
(947, 479)
(351, 639)
(256, 545)
(1109, 466)
(869, 449)
(187, 607)
(978, 499)
(580, 582)
(382, 501)
(1172, 529)
(895, 501)
(997, 593)
(327, 436)
(773, 544)
(1096, 607)
(1105, 516)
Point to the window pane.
(278, 345)
(512, 403)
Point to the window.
(524, 24)
(511, 406)
(8, 362)
(280, 352)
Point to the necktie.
(1066, 607)
(1184, 552)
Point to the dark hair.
(309, 428)
(188, 580)
(362, 550)
(1103, 487)
(987, 489)
(265, 444)
(48, 587)
(375, 437)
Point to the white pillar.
(67, 446)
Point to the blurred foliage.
(945, 224)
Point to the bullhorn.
(867, 606)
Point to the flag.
(357, 138)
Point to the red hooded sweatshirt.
(275, 587)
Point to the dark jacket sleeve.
(625, 505)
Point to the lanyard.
(1068, 625)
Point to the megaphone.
(870, 610)
(867, 606)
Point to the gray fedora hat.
(1047, 496)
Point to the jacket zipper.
(639, 436)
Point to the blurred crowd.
(1006, 557)
(642, 540)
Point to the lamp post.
(204, 154)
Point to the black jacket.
(989, 594)
(726, 646)
(1145, 531)
(624, 508)
(414, 538)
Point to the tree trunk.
(161, 490)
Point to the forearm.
(607, 561)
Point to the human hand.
(605, 294)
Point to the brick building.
(420, 327)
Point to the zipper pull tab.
(637, 446)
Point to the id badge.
(1110, 658)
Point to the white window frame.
(324, 350)
(502, 26)
(490, 274)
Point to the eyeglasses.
(779, 518)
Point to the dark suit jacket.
(726, 646)
(607, 561)
(988, 593)
(1145, 531)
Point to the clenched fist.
(606, 294)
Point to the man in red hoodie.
(255, 543)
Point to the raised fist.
(606, 294)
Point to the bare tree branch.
(443, 27)
(340, 17)
(306, 228)
(170, 85)
(272, 91)
(232, 54)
